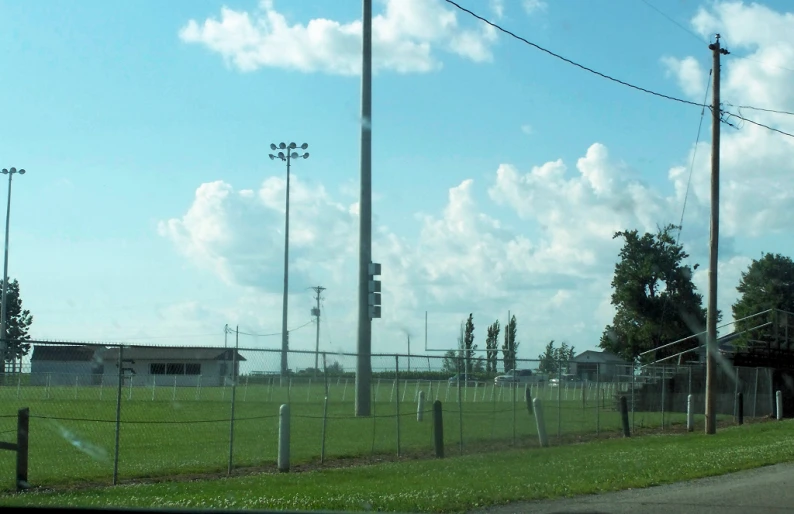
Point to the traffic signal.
(374, 290)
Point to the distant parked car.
(521, 376)
(470, 380)
(573, 380)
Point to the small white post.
(690, 414)
(154, 384)
(405, 389)
(101, 386)
(541, 424)
(129, 397)
(198, 388)
(420, 408)
(173, 393)
(283, 438)
(245, 391)
(344, 391)
(438, 390)
(446, 397)
(289, 390)
(474, 396)
(779, 404)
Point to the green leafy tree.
(554, 357)
(654, 297)
(468, 344)
(450, 362)
(18, 325)
(510, 346)
(492, 348)
(768, 283)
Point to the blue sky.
(119, 121)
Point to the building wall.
(210, 375)
(62, 373)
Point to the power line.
(672, 20)
(276, 333)
(613, 79)
(558, 56)
(750, 107)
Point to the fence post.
(779, 404)
(740, 408)
(599, 399)
(690, 414)
(541, 423)
(234, 397)
(23, 431)
(283, 438)
(528, 399)
(438, 430)
(118, 417)
(559, 399)
(624, 416)
(460, 408)
(515, 389)
(420, 407)
(755, 396)
(173, 395)
(736, 394)
(397, 381)
(325, 423)
(664, 376)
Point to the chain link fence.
(104, 414)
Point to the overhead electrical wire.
(609, 77)
(274, 333)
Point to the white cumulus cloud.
(406, 38)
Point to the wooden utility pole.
(711, 316)
(316, 312)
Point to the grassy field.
(167, 431)
(462, 483)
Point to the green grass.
(167, 431)
(461, 483)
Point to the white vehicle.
(520, 376)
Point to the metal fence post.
(460, 408)
(397, 381)
(599, 395)
(755, 395)
(23, 434)
(234, 397)
(118, 417)
(559, 399)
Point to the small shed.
(66, 365)
(174, 365)
(603, 366)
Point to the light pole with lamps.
(286, 156)
(4, 307)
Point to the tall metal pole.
(289, 150)
(225, 335)
(711, 316)
(4, 308)
(284, 304)
(364, 347)
(318, 290)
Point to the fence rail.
(103, 415)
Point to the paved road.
(762, 490)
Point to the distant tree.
(768, 283)
(554, 359)
(510, 346)
(18, 325)
(468, 343)
(451, 361)
(654, 297)
(335, 368)
(492, 347)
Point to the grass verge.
(461, 483)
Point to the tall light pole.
(364, 346)
(4, 307)
(286, 156)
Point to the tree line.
(656, 302)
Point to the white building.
(169, 366)
(603, 366)
(66, 365)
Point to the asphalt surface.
(762, 490)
